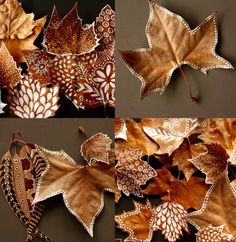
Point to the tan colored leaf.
(137, 139)
(29, 99)
(82, 186)
(14, 22)
(172, 44)
(16, 47)
(172, 133)
(9, 73)
(96, 149)
(152, 122)
(212, 233)
(223, 132)
(70, 37)
(138, 223)
(189, 194)
(170, 219)
(212, 161)
(218, 208)
(132, 172)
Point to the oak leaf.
(189, 194)
(132, 172)
(138, 223)
(82, 186)
(170, 219)
(172, 44)
(218, 208)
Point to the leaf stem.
(194, 100)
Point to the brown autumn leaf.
(120, 145)
(212, 160)
(223, 132)
(82, 186)
(16, 47)
(137, 139)
(152, 122)
(189, 194)
(138, 223)
(218, 208)
(14, 22)
(172, 44)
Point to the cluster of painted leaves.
(172, 44)
(34, 174)
(189, 165)
(76, 60)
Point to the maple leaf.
(29, 99)
(212, 233)
(172, 133)
(96, 148)
(170, 219)
(189, 194)
(9, 73)
(15, 23)
(17, 47)
(222, 132)
(137, 223)
(138, 139)
(218, 208)
(172, 44)
(82, 186)
(70, 37)
(212, 161)
(132, 172)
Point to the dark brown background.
(88, 10)
(217, 89)
(57, 221)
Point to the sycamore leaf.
(172, 133)
(132, 172)
(170, 219)
(172, 44)
(29, 99)
(82, 186)
(9, 73)
(16, 47)
(218, 208)
(137, 139)
(96, 149)
(2, 105)
(212, 161)
(14, 22)
(222, 132)
(70, 37)
(138, 223)
(212, 233)
(189, 194)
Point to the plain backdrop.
(57, 221)
(217, 90)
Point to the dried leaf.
(172, 133)
(120, 145)
(152, 122)
(9, 73)
(132, 172)
(138, 139)
(138, 223)
(189, 194)
(170, 219)
(64, 176)
(171, 44)
(212, 161)
(70, 37)
(212, 233)
(218, 208)
(29, 99)
(14, 22)
(17, 47)
(96, 149)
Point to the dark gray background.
(217, 89)
(57, 221)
